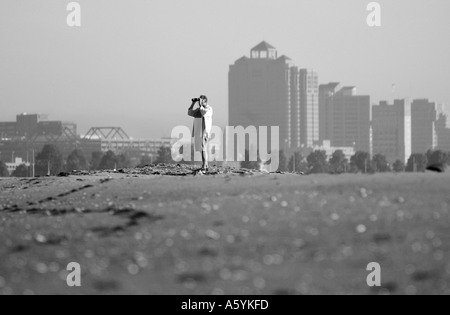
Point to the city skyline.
(91, 74)
(270, 90)
(302, 77)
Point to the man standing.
(201, 131)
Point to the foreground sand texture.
(146, 232)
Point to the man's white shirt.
(207, 114)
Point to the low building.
(13, 166)
(326, 146)
(8, 130)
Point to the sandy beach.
(165, 231)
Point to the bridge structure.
(107, 133)
(68, 133)
(97, 139)
(65, 139)
(117, 140)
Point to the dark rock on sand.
(438, 168)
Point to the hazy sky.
(137, 63)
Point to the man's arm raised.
(194, 112)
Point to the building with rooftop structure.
(266, 89)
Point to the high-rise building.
(346, 117)
(309, 107)
(295, 107)
(267, 90)
(391, 125)
(260, 91)
(443, 132)
(424, 115)
(326, 91)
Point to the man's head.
(203, 100)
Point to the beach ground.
(235, 233)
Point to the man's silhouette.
(201, 131)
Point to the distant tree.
(145, 160)
(3, 170)
(448, 158)
(429, 156)
(380, 164)
(96, 159)
(300, 164)
(76, 161)
(21, 171)
(251, 165)
(317, 162)
(398, 166)
(338, 162)
(49, 159)
(353, 168)
(109, 161)
(362, 162)
(417, 163)
(123, 161)
(437, 157)
(283, 165)
(164, 155)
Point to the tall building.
(309, 107)
(295, 109)
(267, 90)
(443, 132)
(391, 125)
(259, 91)
(326, 91)
(424, 116)
(346, 117)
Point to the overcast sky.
(137, 63)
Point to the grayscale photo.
(224, 155)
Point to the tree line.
(317, 162)
(50, 161)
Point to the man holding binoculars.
(201, 131)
